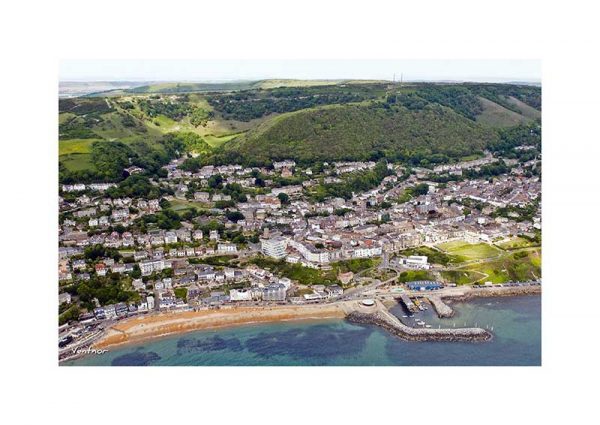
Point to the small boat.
(427, 326)
(404, 315)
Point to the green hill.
(361, 132)
(258, 121)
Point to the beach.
(142, 328)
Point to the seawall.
(392, 324)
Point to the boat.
(427, 326)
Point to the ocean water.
(516, 323)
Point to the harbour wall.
(392, 324)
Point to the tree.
(137, 272)
(234, 216)
(284, 198)
(215, 181)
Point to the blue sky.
(493, 70)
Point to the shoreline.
(139, 329)
(149, 327)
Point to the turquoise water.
(516, 323)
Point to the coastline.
(139, 329)
(149, 327)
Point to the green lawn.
(469, 251)
(182, 205)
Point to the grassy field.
(77, 162)
(182, 205)
(462, 277)
(516, 266)
(216, 141)
(66, 147)
(469, 251)
(516, 243)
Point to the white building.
(150, 266)
(416, 261)
(366, 252)
(225, 248)
(274, 247)
(240, 295)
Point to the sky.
(492, 70)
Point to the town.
(229, 235)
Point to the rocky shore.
(443, 310)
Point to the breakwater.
(389, 322)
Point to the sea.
(515, 323)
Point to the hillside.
(257, 121)
(360, 132)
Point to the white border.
(37, 34)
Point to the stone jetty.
(442, 309)
(381, 317)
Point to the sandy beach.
(142, 328)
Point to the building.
(241, 295)
(65, 297)
(201, 196)
(226, 248)
(334, 290)
(149, 266)
(416, 261)
(275, 292)
(274, 247)
(423, 285)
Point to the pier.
(442, 309)
(410, 306)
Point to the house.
(138, 284)
(170, 237)
(100, 269)
(201, 196)
(64, 297)
(334, 290)
(226, 248)
(121, 309)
